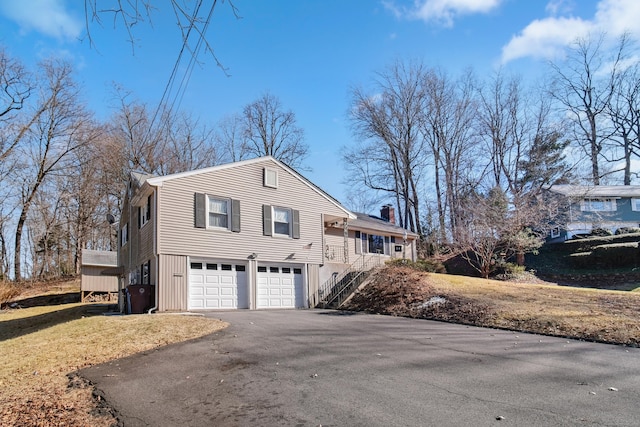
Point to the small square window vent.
(270, 178)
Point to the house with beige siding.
(252, 234)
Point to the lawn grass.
(39, 346)
(581, 313)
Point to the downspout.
(156, 228)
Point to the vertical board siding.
(314, 284)
(173, 283)
(245, 183)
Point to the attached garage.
(217, 285)
(280, 286)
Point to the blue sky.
(307, 53)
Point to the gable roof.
(157, 181)
(370, 222)
(596, 190)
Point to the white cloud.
(545, 38)
(555, 7)
(443, 11)
(48, 17)
(548, 37)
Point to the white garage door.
(280, 286)
(217, 285)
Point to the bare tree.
(269, 130)
(448, 128)
(584, 85)
(390, 122)
(624, 112)
(176, 143)
(57, 127)
(192, 19)
(230, 139)
(495, 233)
(15, 89)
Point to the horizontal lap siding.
(123, 253)
(180, 237)
(144, 238)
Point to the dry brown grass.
(41, 345)
(8, 291)
(591, 314)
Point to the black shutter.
(235, 215)
(148, 208)
(200, 210)
(295, 224)
(266, 220)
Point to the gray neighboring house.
(98, 273)
(586, 208)
(252, 234)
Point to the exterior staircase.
(337, 289)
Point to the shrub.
(581, 260)
(509, 271)
(627, 230)
(617, 255)
(429, 265)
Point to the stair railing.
(338, 286)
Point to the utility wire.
(169, 86)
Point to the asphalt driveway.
(316, 367)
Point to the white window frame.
(370, 238)
(555, 232)
(146, 273)
(124, 234)
(144, 209)
(208, 212)
(271, 177)
(635, 204)
(273, 220)
(608, 204)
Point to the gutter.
(155, 248)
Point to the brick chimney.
(388, 214)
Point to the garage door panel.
(279, 286)
(212, 292)
(218, 286)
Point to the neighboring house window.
(124, 234)
(217, 213)
(635, 204)
(555, 232)
(144, 213)
(270, 178)
(278, 221)
(598, 205)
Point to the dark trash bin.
(140, 298)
